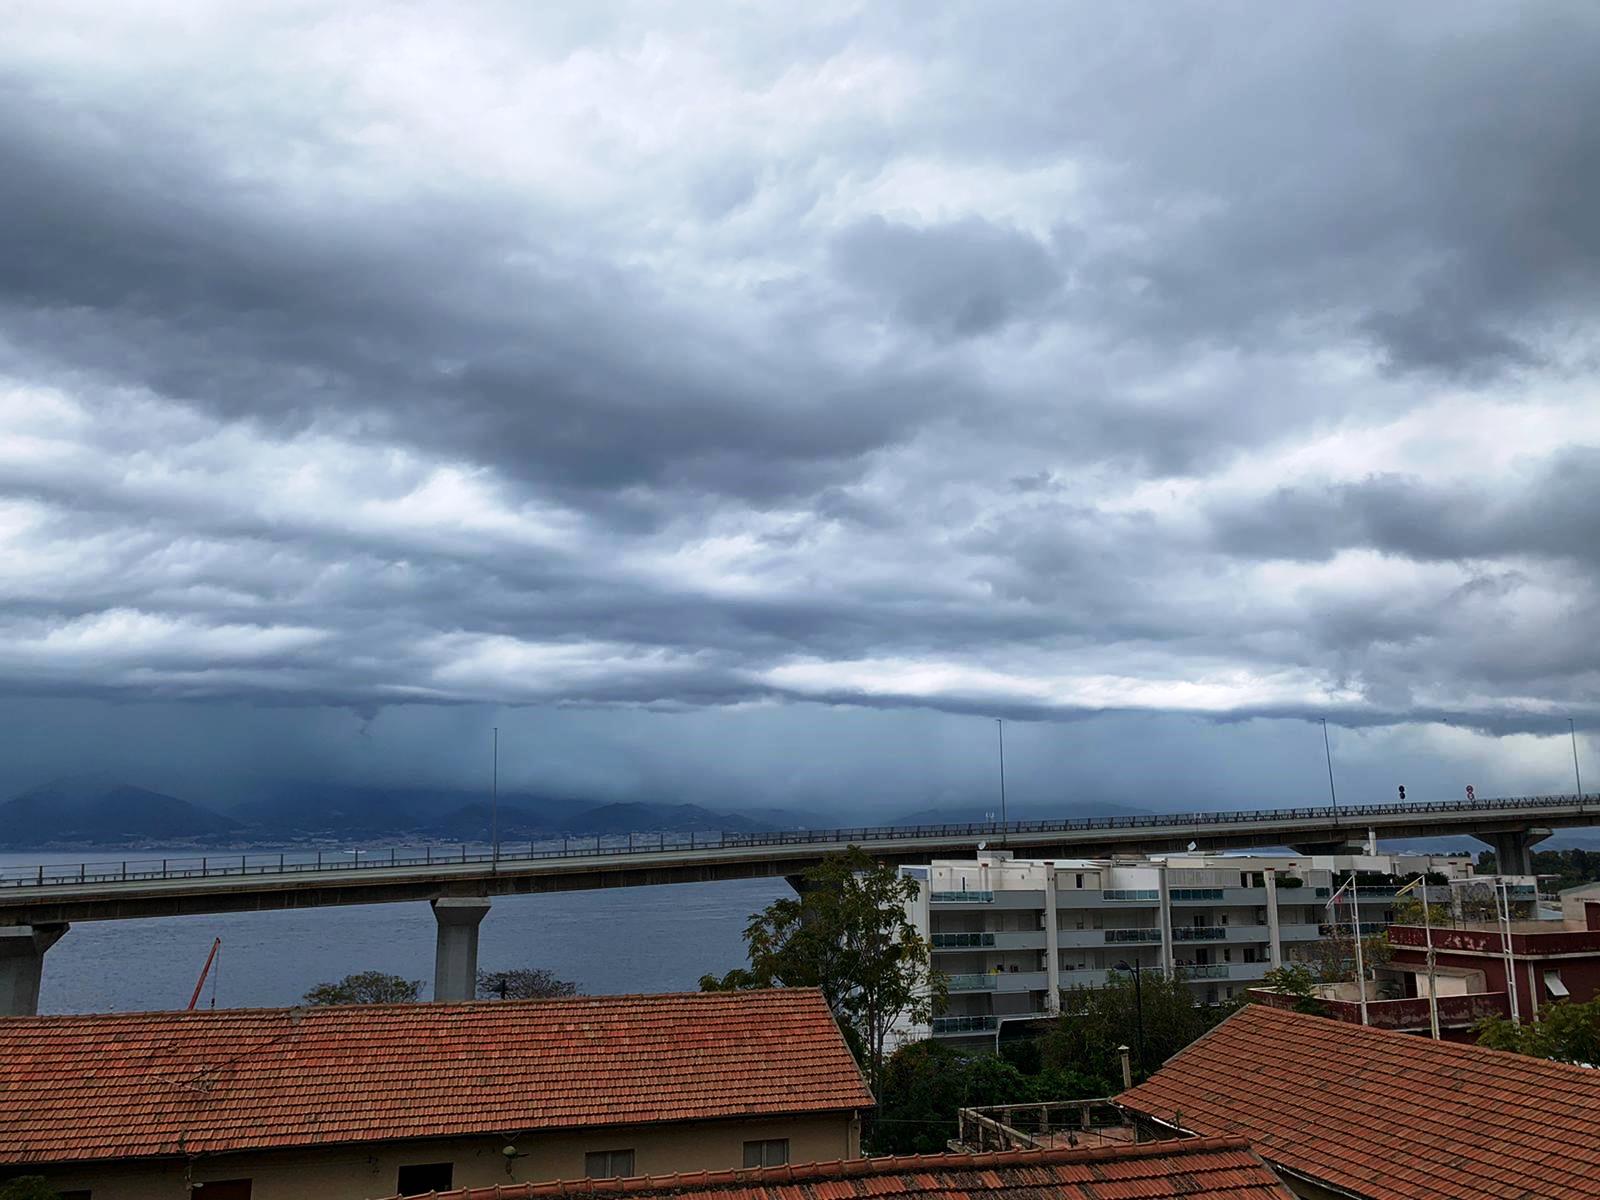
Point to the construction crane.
(204, 971)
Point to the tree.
(926, 1083)
(28, 1187)
(1332, 959)
(1564, 1031)
(1095, 1022)
(527, 983)
(1297, 980)
(366, 987)
(847, 934)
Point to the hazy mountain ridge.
(94, 810)
(101, 810)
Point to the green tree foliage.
(526, 983)
(1297, 980)
(1565, 1032)
(924, 1084)
(847, 934)
(1096, 1021)
(28, 1187)
(1569, 867)
(366, 987)
(1332, 959)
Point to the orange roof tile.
(1383, 1114)
(1201, 1169)
(76, 1088)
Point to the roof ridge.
(412, 1006)
(853, 1168)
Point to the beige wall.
(358, 1173)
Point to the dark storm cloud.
(1039, 361)
(1554, 513)
(957, 280)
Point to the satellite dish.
(1192, 847)
(983, 845)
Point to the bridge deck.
(240, 882)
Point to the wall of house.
(371, 1170)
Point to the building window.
(1080, 881)
(773, 1152)
(220, 1189)
(608, 1164)
(419, 1179)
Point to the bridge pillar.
(1513, 849)
(22, 950)
(455, 959)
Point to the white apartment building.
(1009, 934)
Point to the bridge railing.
(294, 862)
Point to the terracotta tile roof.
(1200, 1169)
(124, 1085)
(1384, 1114)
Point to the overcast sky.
(747, 401)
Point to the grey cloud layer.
(1024, 359)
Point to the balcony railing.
(1204, 970)
(961, 897)
(1199, 933)
(981, 982)
(964, 1024)
(1145, 894)
(1133, 935)
(961, 941)
(1197, 893)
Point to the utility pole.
(1361, 966)
(494, 805)
(1573, 730)
(1000, 728)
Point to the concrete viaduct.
(38, 904)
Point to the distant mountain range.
(92, 809)
(98, 810)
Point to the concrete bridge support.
(455, 959)
(1513, 849)
(22, 950)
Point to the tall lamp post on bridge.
(1572, 728)
(1000, 728)
(1327, 750)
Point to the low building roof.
(80, 1088)
(1199, 1169)
(1383, 1114)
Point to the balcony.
(1182, 894)
(1200, 933)
(1204, 970)
(961, 897)
(1131, 935)
(948, 1025)
(1141, 895)
(983, 982)
(961, 941)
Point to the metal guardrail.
(207, 866)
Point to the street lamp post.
(1576, 777)
(1327, 750)
(1138, 1008)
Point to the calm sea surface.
(653, 939)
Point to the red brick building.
(348, 1102)
(1547, 964)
